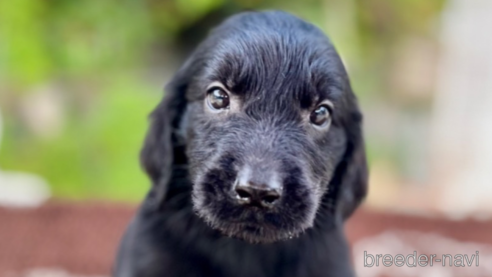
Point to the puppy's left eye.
(321, 116)
(217, 98)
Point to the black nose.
(259, 195)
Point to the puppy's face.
(263, 131)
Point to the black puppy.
(256, 158)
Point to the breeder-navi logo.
(412, 260)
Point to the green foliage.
(96, 154)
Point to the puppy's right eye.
(321, 116)
(217, 98)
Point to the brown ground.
(82, 238)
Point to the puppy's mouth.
(253, 223)
(253, 227)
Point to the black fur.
(277, 68)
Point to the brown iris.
(217, 98)
(320, 116)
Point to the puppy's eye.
(217, 98)
(321, 116)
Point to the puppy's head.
(263, 116)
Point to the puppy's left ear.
(351, 175)
(164, 146)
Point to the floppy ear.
(164, 147)
(351, 175)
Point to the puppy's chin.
(256, 233)
(250, 232)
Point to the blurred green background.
(78, 79)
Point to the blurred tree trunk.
(461, 145)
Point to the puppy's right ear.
(163, 143)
